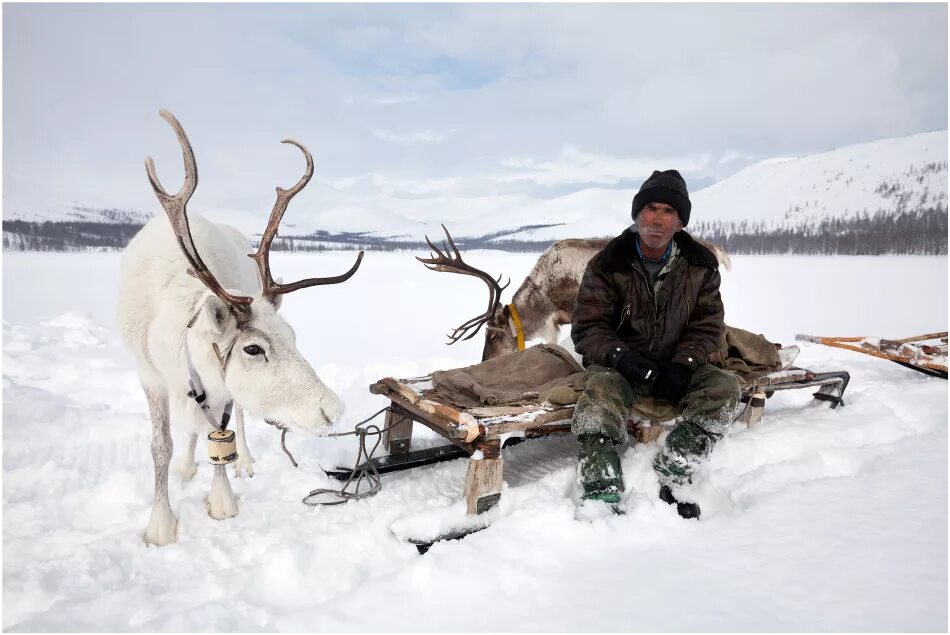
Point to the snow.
(813, 520)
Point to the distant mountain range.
(901, 182)
(891, 175)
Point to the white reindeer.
(544, 301)
(210, 323)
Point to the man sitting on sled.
(647, 319)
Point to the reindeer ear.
(215, 316)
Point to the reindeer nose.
(331, 409)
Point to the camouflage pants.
(708, 408)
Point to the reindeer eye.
(253, 349)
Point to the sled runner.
(482, 432)
(924, 353)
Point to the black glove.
(672, 382)
(637, 368)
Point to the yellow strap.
(519, 332)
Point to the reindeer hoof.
(187, 471)
(222, 509)
(162, 528)
(244, 466)
(222, 506)
(221, 501)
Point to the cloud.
(731, 156)
(570, 171)
(418, 136)
(574, 165)
(382, 101)
(412, 100)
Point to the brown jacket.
(616, 309)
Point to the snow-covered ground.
(813, 520)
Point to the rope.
(359, 474)
(283, 445)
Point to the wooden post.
(756, 408)
(648, 431)
(483, 482)
(398, 438)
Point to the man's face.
(657, 223)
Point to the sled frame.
(416, 401)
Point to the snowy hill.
(80, 214)
(892, 175)
(905, 173)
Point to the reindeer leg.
(187, 468)
(245, 462)
(221, 502)
(162, 528)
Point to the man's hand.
(637, 368)
(672, 382)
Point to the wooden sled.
(482, 432)
(924, 353)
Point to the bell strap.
(197, 392)
(519, 331)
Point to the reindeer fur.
(157, 302)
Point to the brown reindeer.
(541, 305)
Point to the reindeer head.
(500, 331)
(240, 341)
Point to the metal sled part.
(411, 458)
(422, 546)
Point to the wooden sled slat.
(919, 338)
(449, 421)
(920, 360)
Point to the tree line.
(19, 235)
(921, 231)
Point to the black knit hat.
(664, 187)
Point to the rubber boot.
(598, 465)
(685, 510)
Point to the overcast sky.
(476, 100)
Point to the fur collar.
(621, 252)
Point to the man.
(647, 317)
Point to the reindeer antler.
(175, 207)
(272, 289)
(441, 261)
